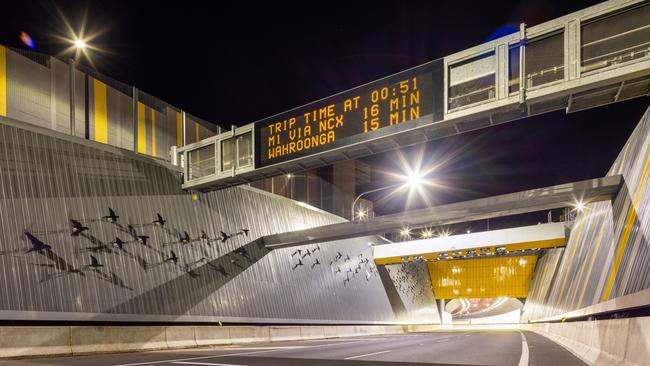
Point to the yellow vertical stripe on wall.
(576, 244)
(3, 81)
(142, 129)
(627, 230)
(101, 119)
(179, 130)
(594, 253)
(197, 132)
(153, 132)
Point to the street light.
(413, 180)
(79, 43)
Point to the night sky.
(240, 62)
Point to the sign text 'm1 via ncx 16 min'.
(328, 123)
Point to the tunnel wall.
(413, 292)
(608, 251)
(49, 179)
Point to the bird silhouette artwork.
(172, 257)
(185, 238)
(298, 252)
(245, 231)
(224, 237)
(317, 248)
(142, 239)
(347, 258)
(37, 244)
(346, 281)
(118, 243)
(94, 263)
(316, 263)
(218, 268)
(77, 228)
(307, 253)
(243, 252)
(159, 220)
(338, 270)
(296, 265)
(112, 217)
(339, 255)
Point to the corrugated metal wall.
(35, 88)
(608, 251)
(47, 181)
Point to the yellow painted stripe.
(101, 119)
(197, 132)
(142, 130)
(576, 244)
(153, 132)
(581, 263)
(3, 81)
(179, 130)
(548, 243)
(627, 229)
(594, 253)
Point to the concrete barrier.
(314, 332)
(116, 339)
(246, 334)
(180, 337)
(34, 341)
(212, 336)
(278, 334)
(602, 342)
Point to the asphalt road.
(434, 348)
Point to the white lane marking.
(523, 361)
(206, 364)
(367, 354)
(230, 354)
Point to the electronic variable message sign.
(346, 118)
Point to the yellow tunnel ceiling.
(482, 278)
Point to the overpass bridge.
(596, 56)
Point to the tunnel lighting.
(289, 176)
(361, 214)
(468, 231)
(427, 233)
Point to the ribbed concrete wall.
(48, 180)
(608, 251)
(413, 286)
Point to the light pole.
(413, 180)
(368, 192)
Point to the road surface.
(485, 347)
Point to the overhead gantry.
(592, 57)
